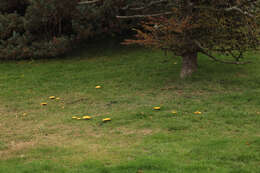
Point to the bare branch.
(202, 50)
(143, 16)
(148, 5)
(226, 62)
(88, 2)
(234, 8)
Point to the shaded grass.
(224, 138)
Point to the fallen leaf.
(97, 87)
(43, 104)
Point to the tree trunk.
(189, 64)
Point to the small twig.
(77, 101)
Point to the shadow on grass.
(142, 165)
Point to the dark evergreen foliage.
(48, 28)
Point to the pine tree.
(190, 27)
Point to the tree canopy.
(189, 27)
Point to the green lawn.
(225, 138)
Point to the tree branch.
(202, 50)
(143, 16)
(234, 8)
(148, 5)
(88, 2)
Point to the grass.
(225, 138)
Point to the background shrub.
(49, 28)
(52, 19)
(14, 6)
(10, 24)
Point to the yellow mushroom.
(197, 112)
(106, 119)
(157, 108)
(86, 117)
(174, 112)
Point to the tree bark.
(189, 64)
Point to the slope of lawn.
(224, 138)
